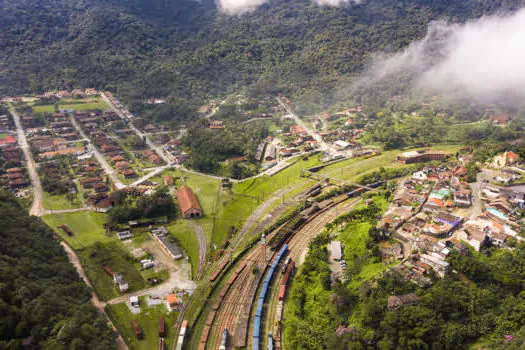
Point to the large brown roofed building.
(188, 203)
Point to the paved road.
(322, 144)
(201, 239)
(37, 207)
(95, 301)
(100, 158)
(154, 173)
(139, 133)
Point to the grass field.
(354, 237)
(249, 194)
(88, 227)
(117, 259)
(77, 105)
(147, 320)
(60, 202)
(185, 235)
(353, 169)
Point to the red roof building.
(168, 180)
(8, 141)
(188, 203)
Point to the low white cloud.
(239, 7)
(482, 59)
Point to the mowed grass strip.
(249, 194)
(92, 104)
(185, 235)
(95, 257)
(353, 169)
(148, 321)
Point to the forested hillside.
(43, 301)
(187, 49)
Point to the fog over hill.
(482, 59)
(191, 51)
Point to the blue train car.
(258, 311)
(262, 296)
(256, 327)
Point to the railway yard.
(231, 307)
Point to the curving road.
(95, 301)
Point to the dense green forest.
(479, 303)
(42, 298)
(189, 51)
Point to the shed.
(188, 203)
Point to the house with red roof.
(7, 141)
(505, 159)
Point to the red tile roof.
(8, 140)
(187, 199)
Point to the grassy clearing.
(353, 169)
(263, 186)
(60, 202)
(147, 320)
(246, 196)
(183, 231)
(355, 237)
(117, 259)
(88, 227)
(77, 105)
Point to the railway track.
(235, 308)
(236, 303)
(297, 245)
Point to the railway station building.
(188, 203)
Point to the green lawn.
(60, 202)
(117, 259)
(353, 169)
(354, 237)
(147, 320)
(88, 227)
(77, 105)
(183, 231)
(247, 195)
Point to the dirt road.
(179, 277)
(95, 301)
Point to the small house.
(173, 303)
